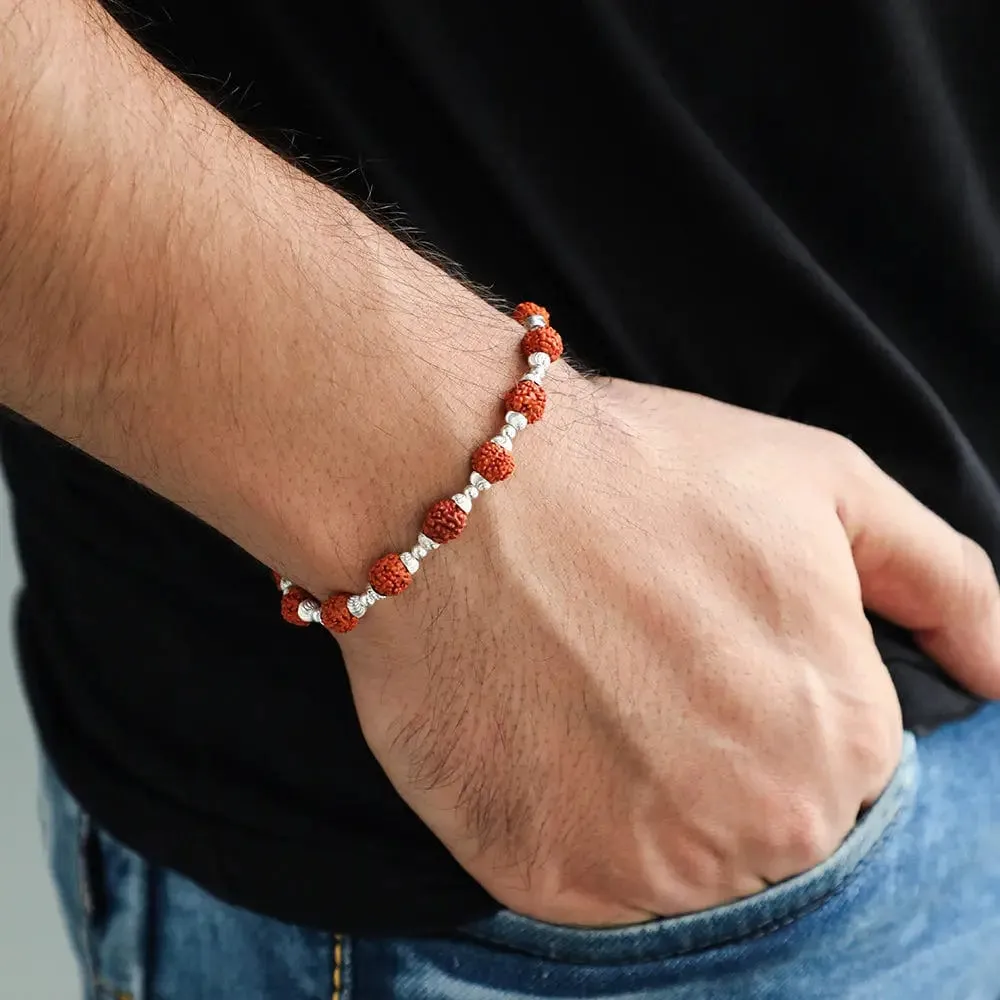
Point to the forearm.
(164, 279)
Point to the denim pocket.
(103, 891)
(753, 917)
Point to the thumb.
(917, 571)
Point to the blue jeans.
(907, 909)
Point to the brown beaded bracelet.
(492, 462)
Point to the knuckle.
(841, 455)
(876, 754)
(875, 737)
(980, 572)
(850, 456)
(807, 837)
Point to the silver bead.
(515, 419)
(410, 561)
(471, 492)
(418, 552)
(372, 595)
(509, 431)
(479, 482)
(308, 610)
(357, 605)
(534, 322)
(504, 442)
(539, 360)
(285, 585)
(427, 543)
(463, 502)
(535, 375)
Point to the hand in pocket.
(645, 683)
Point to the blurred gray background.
(35, 960)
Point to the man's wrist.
(226, 330)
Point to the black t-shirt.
(788, 206)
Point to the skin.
(642, 683)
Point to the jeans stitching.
(338, 966)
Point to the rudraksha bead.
(444, 521)
(543, 339)
(335, 616)
(527, 398)
(492, 462)
(526, 309)
(389, 576)
(290, 605)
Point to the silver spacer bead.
(463, 502)
(515, 419)
(534, 322)
(285, 585)
(309, 610)
(535, 375)
(427, 543)
(509, 431)
(410, 561)
(539, 360)
(504, 442)
(479, 482)
(471, 492)
(357, 605)
(372, 595)
(419, 552)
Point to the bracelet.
(492, 462)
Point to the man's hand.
(643, 681)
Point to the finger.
(919, 572)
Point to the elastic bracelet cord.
(492, 462)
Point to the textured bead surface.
(335, 614)
(389, 576)
(527, 398)
(492, 462)
(515, 419)
(543, 340)
(290, 605)
(463, 502)
(479, 482)
(410, 561)
(444, 521)
(526, 309)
